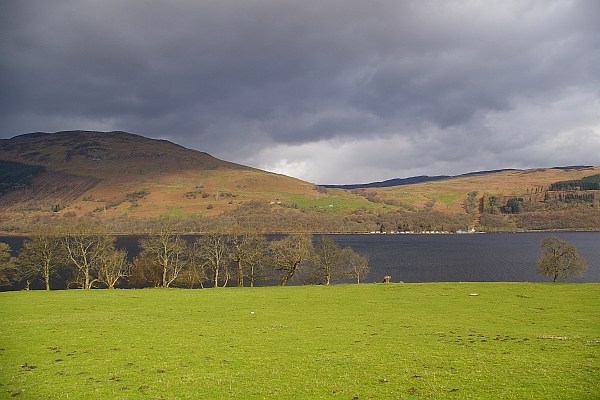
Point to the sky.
(328, 91)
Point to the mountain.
(390, 182)
(450, 194)
(126, 181)
(426, 178)
(118, 173)
(104, 154)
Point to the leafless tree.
(328, 259)
(193, 276)
(290, 253)
(166, 251)
(249, 252)
(113, 266)
(212, 250)
(8, 272)
(356, 265)
(560, 259)
(41, 256)
(145, 271)
(84, 246)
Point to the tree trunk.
(164, 277)
(240, 274)
(87, 278)
(226, 278)
(47, 274)
(216, 283)
(290, 273)
(284, 280)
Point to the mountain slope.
(122, 174)
(426, 178)
(390, 182)
(105, 154)
(449, 194)
(117, 176)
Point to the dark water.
(447, 258)
(488, 257)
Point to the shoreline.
(374, 233)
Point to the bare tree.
(193, 276)
(560, 259)
(328, 259)
(249, 253)
(212, 250)
(8, 273)
(166, 251)
(41, 256)
(113, 265)
(356, 265)
(145, 271)
(290, 253)
(84, 247)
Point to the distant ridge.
(426, 178)
(390, 182)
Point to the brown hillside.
(121, 178)
(107, 155)
(118, 173)
(47, 190)
(449, 194)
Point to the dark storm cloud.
(377, 89)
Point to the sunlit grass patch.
(335, 201)
(513, 340)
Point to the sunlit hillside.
(119, 173)
(450, 194)
(122, 177)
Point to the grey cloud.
(233, 77)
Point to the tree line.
(587, 183)
(86, 257)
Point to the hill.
(118, 174)
(485, 197)
(426, 178)
(127, 181)
(390, 182)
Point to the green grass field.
(373, 341)
(335, 201)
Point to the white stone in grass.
(473, 294)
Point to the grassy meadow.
(372, 341)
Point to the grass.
(448, 198)
(334, 201)
(374, 341)
(174, 212)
